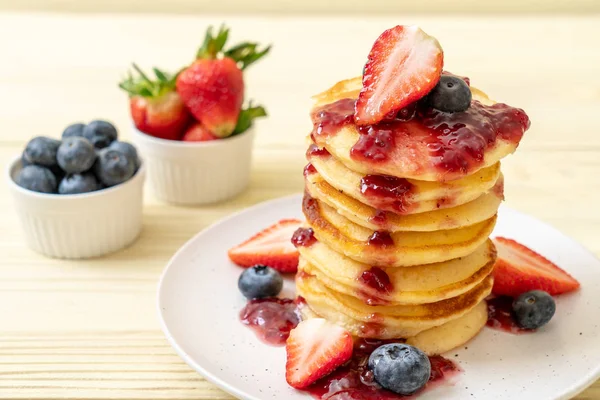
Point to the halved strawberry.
(315, 349)
(156, 108)
(198, 133)
(403, 66)
(519, 269)
(271, 246)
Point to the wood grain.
(308, 7)
(88, 329)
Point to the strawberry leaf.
(160, 75)
(142, 85)
(212, 45)
(247, 117)
(246, 53)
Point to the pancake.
(385, 286)
(396, 249)
(403, 196)
(436, 146)
(452, 334)
(480, 209)
(443, 338)
(386, 322)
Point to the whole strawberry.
(156, 108)
(213, 86)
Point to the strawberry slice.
(404, 65)
(519, 269)
(271, 246)
(315, 349)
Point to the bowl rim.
(139, 174)
(183, 144)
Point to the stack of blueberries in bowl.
(88, 158)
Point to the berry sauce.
(454, 142)
(309, 169)
(377, 279)
(354, 381)
(303, 237)
(271, 319)
(314, 150)
(387, 192)
(332, 117)
(374, 327)
(500, 315)
(310, 207)
(379, 218)
(381, 239)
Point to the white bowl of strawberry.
(192, 127)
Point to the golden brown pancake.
(403, 196)
(385, 286)
(480, 209)
(452, 334)
(396, 249)
(386, 322)
(443, 338)
(421, 150)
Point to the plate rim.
(172, 341)
(571, 392)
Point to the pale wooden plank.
(291, 7)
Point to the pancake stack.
(398, 217)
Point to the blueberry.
(24, 161)
(128, 149)
(76, 155)
(73, 130)
(401, 368)
(259, 282)
(113, 167)
(42, 151)
(451, 94)
(78, 183)
(36, 178)
(100, 133)
(533, 309)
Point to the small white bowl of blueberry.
(81, 196)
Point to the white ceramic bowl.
(81, 225)
(195, 173)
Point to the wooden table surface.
(88, 329)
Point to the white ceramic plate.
(199, 305)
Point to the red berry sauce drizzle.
(500, 315)
(332, 117)
(387, 192)
(379, 218)
(381, 239)
(456, 142)
(310, 207)
(314, 150)
(303, 237)
(271, 319)
(354, 381)
(309, 169)
(378, 281)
